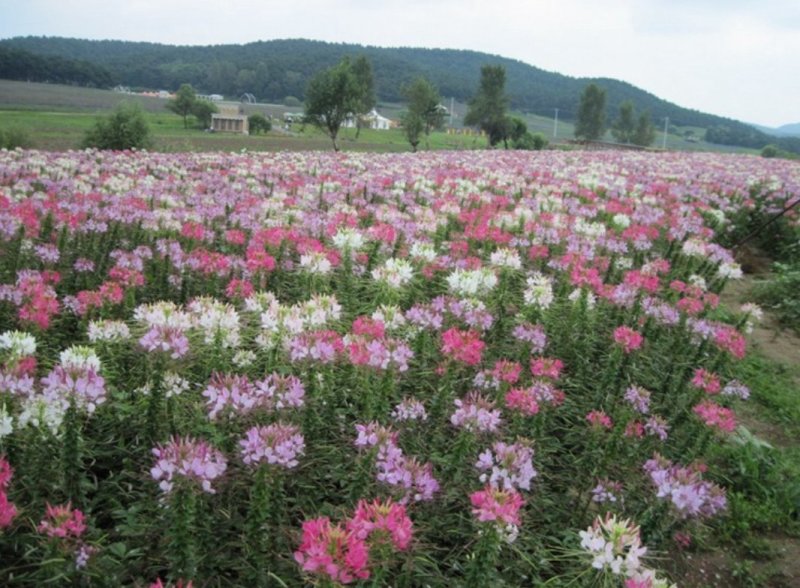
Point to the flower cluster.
(276, 444)
(185, 458)
(476, 413)
(684, 487)
(507, 466)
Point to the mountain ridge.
(275, 69)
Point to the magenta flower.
(599, 420)
(379, 522)
(332, 552)
(715, 415)
(628, 339)
(494, 504)
(62, 522)
(546, 367)
(462, 346)
(706, 381)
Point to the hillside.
(273, 70)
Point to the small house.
(230, 120)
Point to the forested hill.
(273, 70)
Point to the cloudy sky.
(736, 58)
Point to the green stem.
(72, 460)
(182, 547)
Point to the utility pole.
(452, 106)
(555, 125)
(666, 127)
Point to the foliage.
(590, 123)
(781, 292)
(769, 151)
(292, 102)
(27, 66)
(425, 113)
(487, 109)
(365, 85)
(531, 141)
(258, 123)
(202, 111)
(183, 103)
(624, 127)
(645, 132)
(125, 128)
(12, 138)
(332, 97)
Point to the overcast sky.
(736, 58)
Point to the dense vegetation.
(18, 64)
(273, 70)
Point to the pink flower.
(462, 346)
(494, 504)
(707, 381)
(546, 367)
(715, 415)
(523, 400)
(332, 552)
(62, 522)
(628, 339)
(599, 420)
(507, 371)
(379, 522)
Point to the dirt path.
(727, 569)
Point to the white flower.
(468, 283)
(18, 343)
(394, 273)
(316, 263)
(507, 258)
(106, 330)
(730, 270)
(539, 291)
(425, 251)
(347, 238)
(6, 423)
(79, 357)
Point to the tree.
(425, 113)
(645, 132)
(487, 109)
(258, 122)
(202, 111)
(362, 72)
(624, 128)
(183, 103)
(331, 98)
(591, 113)
(125, 128)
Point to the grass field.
(56, 117)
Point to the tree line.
(274, 70)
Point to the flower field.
(446, 369)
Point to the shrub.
(13, 138)
(531, 141)
(770, 151)
(258, 122)
(782, 294)
(292, 102)
(125, 128)
(202, 111)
